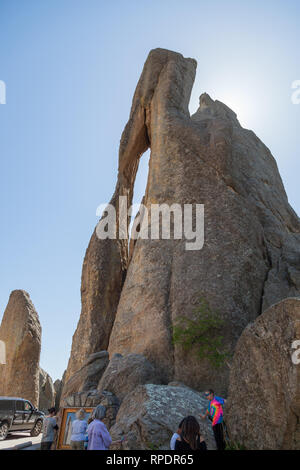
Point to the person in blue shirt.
(79, 427)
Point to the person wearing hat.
(49, 427)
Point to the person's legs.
(80, 445)
(46, 445)
(77, 445)
(73, 445)
(219, 436)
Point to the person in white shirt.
(175, 436)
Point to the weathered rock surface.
(88, 376)
(251, 233)
(125, 373)
(175, 383)
(93, 398)
(21, 331)
(250, 257)
(151, 414)
(263, 407)
(102, 277)
(58, 387)
(46, 391)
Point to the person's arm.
(120, 441)
(203, 445)
(116, 442)
(205, 415)
(173, 441)
(221, 400)
(107, 440)
(178, 444)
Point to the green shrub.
(152, 446)
(231, 445)
(201, 334)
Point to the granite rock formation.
(58, 387)
(250, 256)
(125, 373)
(151, 414)
(21, 331)
(103, 272)
(46, 391)
(88, 376)
(263, 407)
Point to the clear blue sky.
(71, 67)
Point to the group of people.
(188, 436)
(92, 434)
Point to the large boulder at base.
(91, 399)
(21, 332)
(47, 391)
(125, 373)
(263, 407)
(88, 376)
(151, 414)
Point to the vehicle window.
(6, 405)
(19, 405)
(28, 406)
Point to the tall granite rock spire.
(46, 391)
(251, 252)
(21, 331)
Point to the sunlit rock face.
(125, 373)
(21, 331)
(88, 376)
(250, 257)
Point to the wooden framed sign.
(65, 429)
